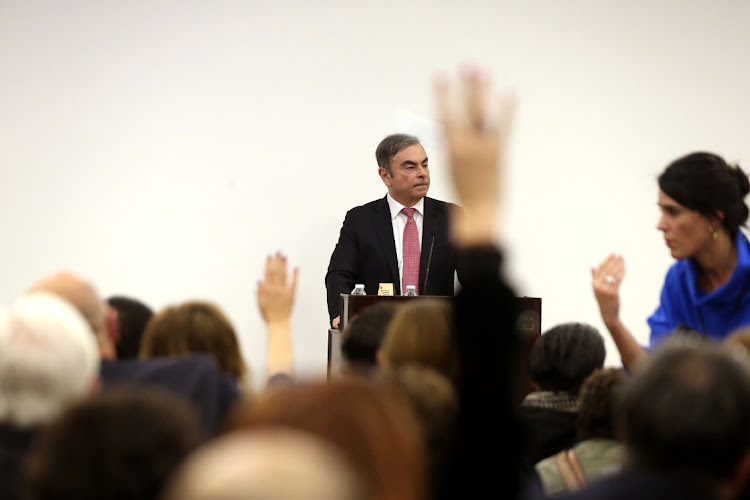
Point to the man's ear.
(383, 173)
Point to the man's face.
(411, 175)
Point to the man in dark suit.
(371, 245)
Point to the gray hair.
(390, 146)
(48, 359)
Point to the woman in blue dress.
(701, 199)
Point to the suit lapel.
(432, 220)
(384, 231)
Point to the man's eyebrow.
(412, 162)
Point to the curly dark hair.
(565, 355)
(597, 401)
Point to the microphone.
(429, 261)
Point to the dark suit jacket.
(195, 378)
(366, 252)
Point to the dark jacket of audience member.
(196, 379)
(487, 442)
(561, 359)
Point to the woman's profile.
(701, 199)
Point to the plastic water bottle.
(411, 291)
(358, 290)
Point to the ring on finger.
(610, 280)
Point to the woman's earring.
(713, 232)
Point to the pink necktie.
(411, 251)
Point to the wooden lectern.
(528, 324)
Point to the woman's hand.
(476, 142)
(605, 281)
(276, 293)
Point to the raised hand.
(605, 281)
(476, 142)
(276, 292)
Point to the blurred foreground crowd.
(105, 399)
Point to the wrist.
(278, 323)
(613, 323)
(476, 226)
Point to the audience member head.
(705, 183)
(132, 317)
(421, 332)
(435, 404)
(265, 464)
(739, 340)
(192, 328)
(685, 414)
(389, 147)
(122, 444)
(563, 356)
(48, 359)
(363, 336)
(84, 297)
(597, 401)
(370, 424)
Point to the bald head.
(266, 464)
(84, 297)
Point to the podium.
(528, 326)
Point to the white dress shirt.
(398, 220)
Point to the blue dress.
(716, 314)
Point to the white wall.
(163, 148)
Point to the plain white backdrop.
(164, 148)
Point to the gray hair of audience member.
(597, 401)
(132, 318)
(48, 359)
(363, 336)
(390, 146)
(565, 355)
(265, 464)
(686, 410)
